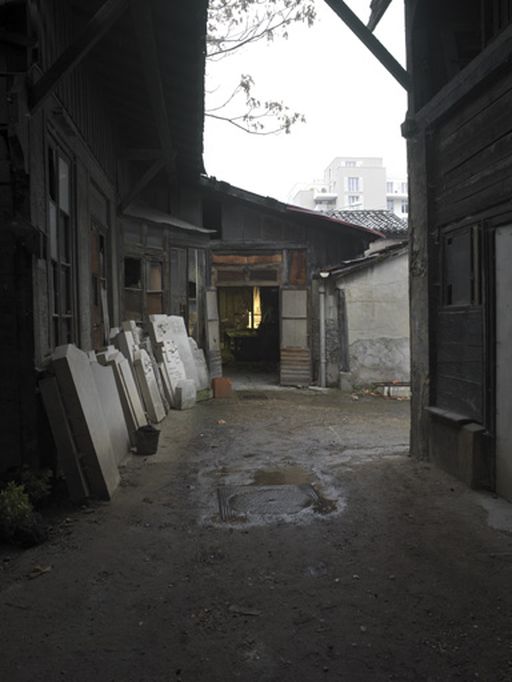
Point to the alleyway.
(343, 560)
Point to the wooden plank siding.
(459, 370)
(472, 156)
(77, 92)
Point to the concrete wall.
(367, 334)
(377, 309)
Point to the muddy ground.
(338, 558)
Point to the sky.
(352, 105)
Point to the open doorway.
(249, 331)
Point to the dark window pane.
(52, 176)
(64, 186)
(132, 273)
(52, 218)
(64, 238)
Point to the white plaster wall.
(377, 304)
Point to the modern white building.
(353, 182)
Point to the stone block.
(148, 384)
(185, 394)
(172, 328)
(67, 452)
(112, 409)
(84, 409)
(203, 376)
(222, 387)
(128, 392)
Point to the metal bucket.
(146, 440)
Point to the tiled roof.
(380, 220)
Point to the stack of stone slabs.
(140, 362)
(84, 411)
(172, 328)
(173, 368)
(128, 392)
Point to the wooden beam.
(144, 29)
(96, 28)
(143, 181)
(372, 43)
(379, 8)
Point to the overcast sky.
(353, 106)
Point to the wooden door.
(295, 354)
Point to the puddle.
(291, 475)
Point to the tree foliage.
(234, 25)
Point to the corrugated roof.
(380, 220)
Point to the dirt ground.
(338, 558)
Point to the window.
(354, 200)
(403, 187)
(389, 187)
(195, 288)
(143, 287)
(353, 184)
(350, 164)
(61, 240)
(462, 267)
(404, 206)
(391, 205)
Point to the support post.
(323, 356)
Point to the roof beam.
(144, 29)
(141, 183)
(372, 43)
(95, 29)
(379, 8)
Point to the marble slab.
(84, 409)
(185, 394)
(112, 408)
(172, 328)
(203, 376)
(149, 386)
(173, 370)
(128, 392)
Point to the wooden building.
(263, 256)
(101, 120)
(459, 133)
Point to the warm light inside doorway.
(254, 315)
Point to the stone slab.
(67, 453)
(203, 376)
(148, 384)
(172, 328)
(185, 394)
(112, 409)
(172, 368)
(128, 392)
(83, 406)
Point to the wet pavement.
(285, 537)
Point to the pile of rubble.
(97, 403)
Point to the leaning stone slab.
(185, 394)
(173, 370)
(67, 452)
(130, 399)
(148, 385)
(172, 328)
(112, 408)
(83, 406)
(203, 376)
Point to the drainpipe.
(323, 355)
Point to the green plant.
(15, 510)
(37, 484)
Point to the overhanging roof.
(148, 214)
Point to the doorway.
(503, 361)
(249, 330)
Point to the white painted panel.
(294, 303)
(504, 362)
